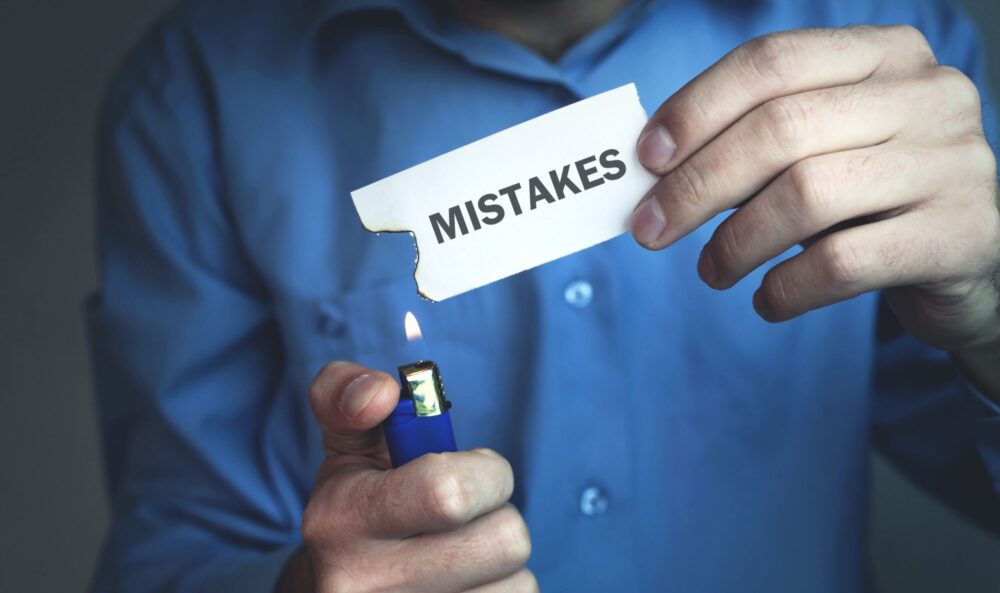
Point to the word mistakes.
(491, 209)
(527, 195)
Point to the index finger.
(766, 68)
(433, 493)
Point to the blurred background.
(55, 58)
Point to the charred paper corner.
(416, 249)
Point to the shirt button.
(578, 294)
(593, 501)
(330, 320)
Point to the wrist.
(297, 575)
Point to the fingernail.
(656, 148)
(486, 451)
(358, 394)
(648, 222)
(706, 267)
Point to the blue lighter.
(420, 423)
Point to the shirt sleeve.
(933, 427)
(988, 432)
(926, 418)
(184, 347)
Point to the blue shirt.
(663, 437)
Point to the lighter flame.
(412, 327)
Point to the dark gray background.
(54, 60)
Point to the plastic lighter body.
(420, 423)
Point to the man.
(632, 407)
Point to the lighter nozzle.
(421, 383)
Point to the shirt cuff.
(247, 573)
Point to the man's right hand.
(439, 524)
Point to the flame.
(412, 327)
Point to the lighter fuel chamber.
(420, 423)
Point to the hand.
(440, 523)
(858, 145)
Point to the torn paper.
(522, 197)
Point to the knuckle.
(843, 263)
(449, 497)
(313, 531)
(499, 469)
(914, 39)
(891, 255)
(688, 113)
(811, 189)
(505, 476)
(984, 235)
(957, 88)
(980, 230)
(318, 528)
(786, 119)
(980, 158)
(488, 452)
(532, 585)
(525, 582)
(331, 513)
(989, 229)
(512, 537)
(339, 580)
(772, 57)
(689, 184)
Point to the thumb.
(350, 402)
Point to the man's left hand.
(854, 143)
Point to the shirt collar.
(482, 48)
(323, 10)
(492, 51)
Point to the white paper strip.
(530, 194)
